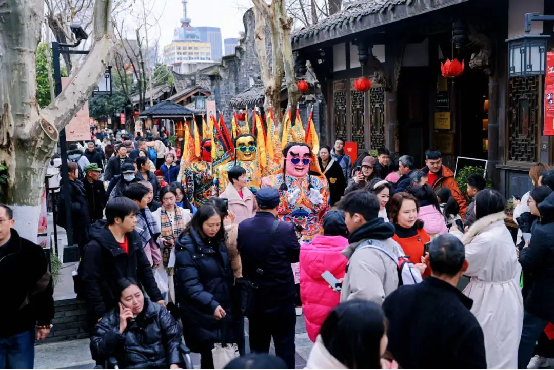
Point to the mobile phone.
(332, 281)
(426, 248)
(358, 169)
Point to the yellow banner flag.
(262, 156)
(196, 138)
(206, 132)
(270, 135)
(286, 124)
(234, 126)
(311, 135)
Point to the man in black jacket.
(94, 192)
(115, 163)
(430, 323)
(406, 166)
(26, 292)
(93, 155)
(114, 252)
(268, 247)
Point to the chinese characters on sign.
(549, 95)
(442, 121)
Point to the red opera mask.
(298, 161)
(207, 151)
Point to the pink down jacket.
(433, 221)
(322, 254)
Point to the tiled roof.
(185, 92)
(167, 108)
(157, 92)
(352, 17)
(252, 96)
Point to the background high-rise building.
(213, 36)
(230, 45)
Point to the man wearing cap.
(128, 176)
(94, 192)
(74, 154)
(268, 247)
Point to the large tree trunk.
(28, 135)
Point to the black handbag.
(248, 287)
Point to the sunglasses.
(245, 149)
(305, 161)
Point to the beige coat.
(494, 288)
(233, 250)
(371, 274)
(243, 208)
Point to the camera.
(78, 31)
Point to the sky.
(225, 14)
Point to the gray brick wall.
(70, 321)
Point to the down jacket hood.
(323, 254)
(433, 220)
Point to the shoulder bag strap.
(260, 270)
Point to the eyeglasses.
(305, 161)
(244, 149)
(367, 167)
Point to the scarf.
(171, 230)
(375, 228)
(147, 227)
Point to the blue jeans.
(18, 351)
(532, 329)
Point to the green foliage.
(56, 267)
(43, 89)
(172, 141)
(463, 174)
(103, 106)
(162, 75)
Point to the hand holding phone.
(332, 281)
(426, 248)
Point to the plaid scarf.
(147, 227)
(171, 230)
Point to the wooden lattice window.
(377, 123)
(524, 118)
(339, 109)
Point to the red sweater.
(413, 247)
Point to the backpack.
(152, 154)
(408, 274)
(81, 173)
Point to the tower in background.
(230, 45)
(214, 37)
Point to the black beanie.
(334, 224)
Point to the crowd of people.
(421, 278)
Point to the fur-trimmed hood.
(482, 225)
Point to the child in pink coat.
(322, 254)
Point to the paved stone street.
(75, 353)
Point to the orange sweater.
(413, 247)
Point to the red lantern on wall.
(452, 68)
(362, 84)
(303, 86)
(241, 116)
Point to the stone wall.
(70, 321)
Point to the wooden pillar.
(493, 132)
(392, 122)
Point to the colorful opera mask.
(245, 148)
(207, 150)
(297, 161)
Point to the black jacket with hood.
(26, 287)
(538, 260)
(95, 156)
(104, 263)
(151, 341)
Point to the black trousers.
(277, 323)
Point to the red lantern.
(303, 86)
(241, 116)
(362, 84)
(452, 68)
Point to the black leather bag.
(248, 288)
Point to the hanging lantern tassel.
(452, 68)
(362, 84)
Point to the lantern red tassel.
(362, 84)
(452, 68)
(241, 116)
(303, 86)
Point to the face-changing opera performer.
(197, 177)
(245, 157)
(304, 197)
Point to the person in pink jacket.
(322, 254)
(429, 212)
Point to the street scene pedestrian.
(327, 184)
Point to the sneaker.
(298, 311)
(538, 362)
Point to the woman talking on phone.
(138, 333)
(203, 281)
(362, 175)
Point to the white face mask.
(129, 176)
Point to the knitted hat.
(334, 224)
(159, 173)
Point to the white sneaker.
(538, 362)
(298, 311)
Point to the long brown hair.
(536, 170)
(395, 204)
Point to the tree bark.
(28, 135)
(334, 6)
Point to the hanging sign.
(78, 129)
(442, 121)
(549, 95)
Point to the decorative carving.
(398, 64)
(482, 59)
(339, 105)
(523, 118)
(357, 110)
(459, 34)
(377, 122)
(299, 64)
(364, 51)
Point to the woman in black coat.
(333, 172)
(203, 280)
(538, 260)
(138, 333)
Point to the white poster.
(79, 128)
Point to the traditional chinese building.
(400, 44)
